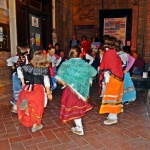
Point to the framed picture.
(35, 22)
(3, 4)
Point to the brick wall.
(64, 23)
(72, 13)
(5, 79)
(147, 33)
(5, 72)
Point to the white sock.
(15, 107)
(78, 122)
(112, 116)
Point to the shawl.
(76, 73)
(112, 62)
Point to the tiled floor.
(131, 133)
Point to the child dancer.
(75, 74)
(101, 51)
(129, 90)
(112, 98)
(55, 60)
(32, 98)
(19, 60)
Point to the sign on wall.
(116, 27)
(3, 4)
(38, 39)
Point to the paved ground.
(131, 133)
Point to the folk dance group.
(34, 81)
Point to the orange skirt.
(112, 98)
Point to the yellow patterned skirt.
(112, 98)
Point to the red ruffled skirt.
(35, 103)
(71, 106)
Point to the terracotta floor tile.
(136, 128)
(111, 145)
(20, 138)
(93, 122)
(131, 132)
(32, 147)
(60, 123)
(104, 136)
(36, 134)
(91, 133)
(112, 129)
(104, 148)
(48, 144)
(119, 139)
(100, 129)
(2, 127)
(63, 137)
(49, 127)
(9, 135)
(5, 119)
(4, 144)
(137, 141)
(80, 141)
(23, 130)
(66, 146)
(6, 115)
(125, 146)
(84, 147)
(145, 146)
(87, 127)
(2, 131)
(17, 146)
(49, 135)
(49, 148)
(33, 141)
(86, 119)
(10, 127)
(94, 142)
(48, 120)
(61, 129)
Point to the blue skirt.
(129, 90)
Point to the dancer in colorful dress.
(19, 60)
(36, 89)
(129, 90)
(112, 98)
(74, 74)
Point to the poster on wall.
(35, 22)
(1, 34)
(115, 27)
(32, 39)
(3, 4)
(37, 39)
